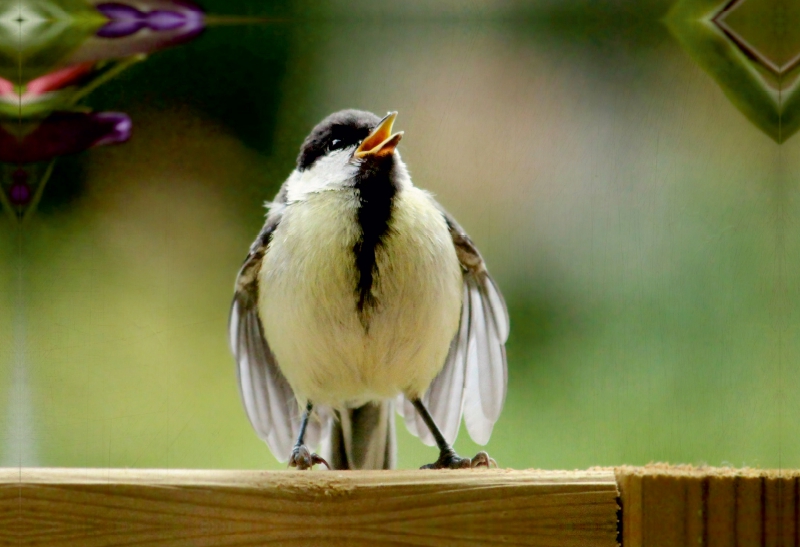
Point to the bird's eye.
(335, 144)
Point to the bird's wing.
(475, 375)
(267, 396)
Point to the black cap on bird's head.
(347, 128)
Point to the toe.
(316, 460)
(449, 460)
(482, 459)
(302, 458)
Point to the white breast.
(307, 300)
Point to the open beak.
(381, 142)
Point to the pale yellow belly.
(308, 300)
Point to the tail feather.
(363, 438)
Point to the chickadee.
(361, 292)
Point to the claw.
(448, 459)
(302, 458)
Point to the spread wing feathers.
(267, 396)
(475, 375)
(486, 371)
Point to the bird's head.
(345, 146)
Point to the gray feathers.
(486, 372)
(362, 438)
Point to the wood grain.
(94, 507)
(679, 506)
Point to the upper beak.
(381, 141)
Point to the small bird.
(361, 293)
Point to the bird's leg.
(302, 457)
(448, 459)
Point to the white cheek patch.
(329, 172)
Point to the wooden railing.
(649, 506)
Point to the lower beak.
(381, 142)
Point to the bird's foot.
(302, 458)
(448, 459)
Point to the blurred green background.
(645, 235)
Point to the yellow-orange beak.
(381, 141)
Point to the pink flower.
(58, 79)
(6, 88)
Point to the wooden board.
(94, 507)
(679, 506)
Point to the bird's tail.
(363, 438)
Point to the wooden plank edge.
(708, 506)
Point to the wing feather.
(474, 379)
(268, 398)
(445, 397)
(493, 376)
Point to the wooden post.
(94, 507)
(681, 506)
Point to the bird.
(359, 296)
